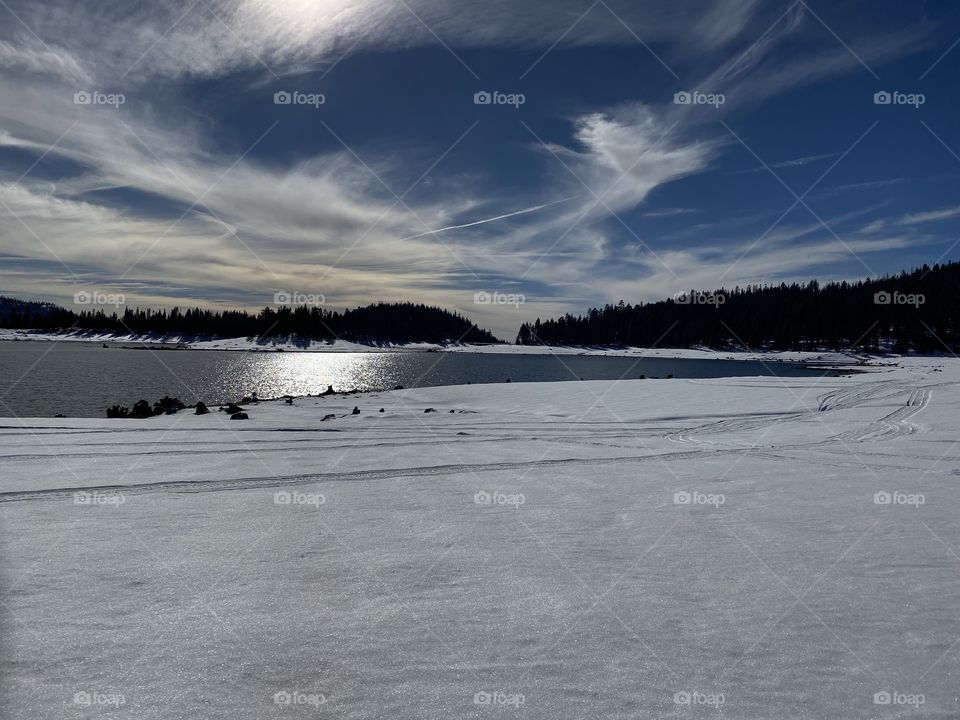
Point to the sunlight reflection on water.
(305, 373)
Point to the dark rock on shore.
(239, 416)
(201, 409)
(168, 406)
(141, 409)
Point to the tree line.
(383, 322)
(915, 310)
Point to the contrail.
(492, 219)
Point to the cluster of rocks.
(142, 409)
(235, 411)
(169, 406)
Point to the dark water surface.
(41, 379)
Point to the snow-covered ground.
(743, 548)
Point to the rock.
(381, 409)
(201, 408)
(328, 391)
(331, 416)
(240, 416)
(356, 410)
(399, 387)
(429, 410)
(118, 412)
(141, 409)
(167, 405)
(61, 415)
(289, 401)
(453, 411)
(233, 409)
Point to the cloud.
(795, 162)
(670, 212)
(33, 57)
(913, 219)
(235, 229)
(218, 37)
(931, 216)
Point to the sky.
(509, 159)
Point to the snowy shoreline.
(343, 346)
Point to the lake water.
(41, 379)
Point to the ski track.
(721, 435)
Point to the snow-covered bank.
(344, 346)
(774, 547)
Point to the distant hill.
(34, 315)
(384, 322)
(918, 310)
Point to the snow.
(152, 564)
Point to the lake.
(41, 379)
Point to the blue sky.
(200, 189)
